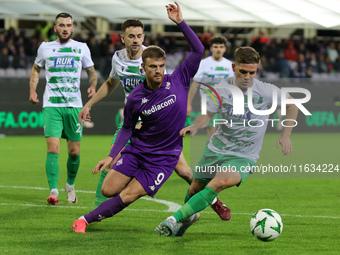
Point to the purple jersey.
(163, 112)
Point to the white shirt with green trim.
(63, 63)
(129, 71)
(241, 135)
(212, 72)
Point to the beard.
(62, 39)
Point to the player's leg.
(52, 168)
(73, 132)
(114, 183)
(199, 201)
(73, 162)
(100, 198)
(183, 169)
(53, 124)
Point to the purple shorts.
(150, 170)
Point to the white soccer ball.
(266, 225)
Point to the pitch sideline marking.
(173, 207)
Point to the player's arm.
(201, 121)
(91, 73)
(284, 140)
(124, 134)
(105, 90)
(192, 92)
(34, 79)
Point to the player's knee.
(73, 153)
(220, 184)
(184, 172)
(129, 198)
(107, 192)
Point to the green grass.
(309, 206)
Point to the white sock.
(214, 201)
(83, 218)
(54, 192)
(172, 219)
(68, 186)
(191, 218)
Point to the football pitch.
(305, 191)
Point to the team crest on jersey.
(167, 86)
(257, 99)
(76, 50)
(119, 162)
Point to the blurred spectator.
(11, 47)
(322, 65)
(3, 42)
(337, 65)
(312, 62)
(115, 38)
(301, 67)
(332, 53)
(5, 60)
(290, 57)
(291, 53)
(205, 38)
(257, 42)
(283, 66)
(329, 63)
(78, 37)
(20, 60)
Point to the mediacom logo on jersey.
(238, 109)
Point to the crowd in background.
(289, 57)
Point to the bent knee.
(107, 192)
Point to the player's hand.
(103, 164)
(174, 13)
(190, 129)
(286, 144)
(84, 115)
(139, 125)
(34, 97)
(91, 91)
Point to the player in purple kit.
(160, 101)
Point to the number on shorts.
(159, 179)
(78, 128)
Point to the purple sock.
(106, 209)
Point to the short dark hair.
(246, 55)
(153, 51)
(132, 23)
(63, 15)
(218, 40)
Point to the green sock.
(187, 197)
(99, 197)
(196, 203)
(72, 168)
(52, 170)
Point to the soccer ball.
(266, 225)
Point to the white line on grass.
(173, 207)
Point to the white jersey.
(129, 71)
(242, 135)
(212, 72)
(63, 63)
